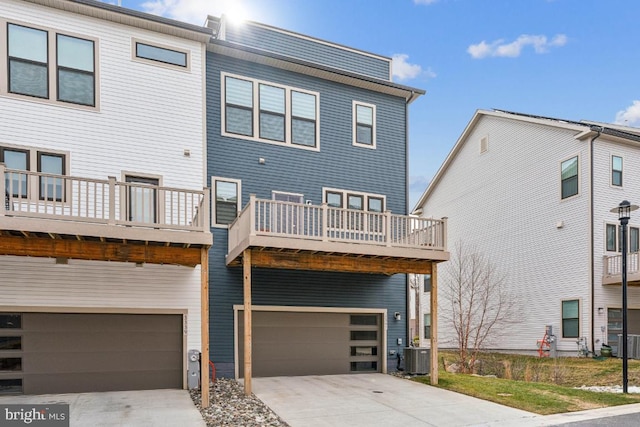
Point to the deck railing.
(324, 223)
(612, 265)
(62, 197)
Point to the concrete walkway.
(376, 400)
(152, 408)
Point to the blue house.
(307, 149)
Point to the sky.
(570, 59)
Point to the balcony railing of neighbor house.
(612, 265)
(324, 223)
(61, 197)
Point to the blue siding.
(308, 50)
(338, 164)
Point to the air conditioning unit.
(417, 360)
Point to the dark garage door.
(69, 353)
(311, 343)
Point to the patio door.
(284, 216)
(142, 199)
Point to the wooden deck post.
(246, 261)
(434, 324)
(204, 327)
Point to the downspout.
(406, 202)
(598, 129)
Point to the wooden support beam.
(98, 251)
(204, 327)
(246, 263)
(434, 324)
(339, 263)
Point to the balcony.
(312, 237)
(43, 214)
(612, 269)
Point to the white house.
(534, 195)
(103, 227)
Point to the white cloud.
(630, 116)
(424, 1)
(193, 11)
(499, 48)
(404, 70)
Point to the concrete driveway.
(377, 400)
(122, 408)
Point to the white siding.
(147, 115)
(41, 283)
(607, 197)
(507, 203)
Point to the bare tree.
(480, 303)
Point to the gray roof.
(142, 15)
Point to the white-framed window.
(571, 318)
(427, 326)
(227, 195)
(338, 198)
(613, 238)
(142, 197)
(569, 177)
(364, 125)
(616, 171)
(427, 283)
(53, 164)
(269, 112)
(48, 65)
(162, 55)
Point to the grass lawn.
(544, 386)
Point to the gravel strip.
(230, 407)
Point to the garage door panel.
(99, 341)
(103, 381)
(309, 351)
(301, 335)
(307, 320)
(90, 361)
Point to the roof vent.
(484, 144)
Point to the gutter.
(599, 130)
(407, 287)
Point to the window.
(354, 200)
(427, 326)
(142, 199)
(269, 112)
(161, 54)
(15, 182)
(569, 176)
(51, 187)
(28, 61)
(272, 117)
(616, 171)
(611, 238)
(364, 125)
(10, 321)
(33, 53)
(76, 78)
(427, 283)
(614, 238)
(226, 201)
(570, 319)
